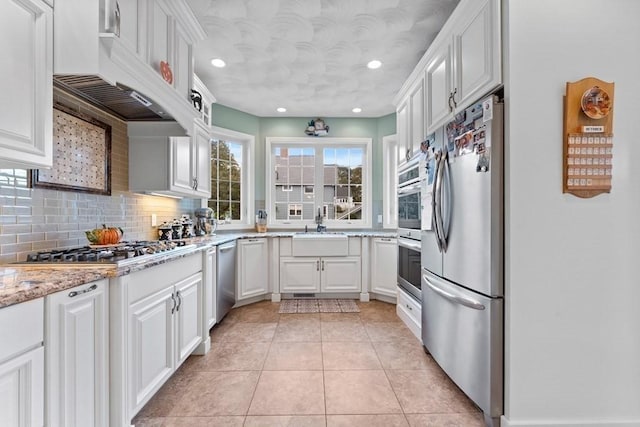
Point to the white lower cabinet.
(384, 266)
(22, 365)
(22, 390)
(165, 328)
(156, 323)
(77, 366)
(326, 274)
(410, 312)
(253, 268)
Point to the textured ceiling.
(310, 56)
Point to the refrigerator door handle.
(442, 242)
(434, 202)
(467, 302)
(446, 199)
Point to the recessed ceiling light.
(357, 110)
(281, 110)
(217, 62)
(374, 64)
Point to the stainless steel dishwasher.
(226, 275)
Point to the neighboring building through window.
(328, 176)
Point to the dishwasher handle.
(226, 248)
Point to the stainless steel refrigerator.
(462, 255)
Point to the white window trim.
(389, 181)
(247, 180)
(320, 143)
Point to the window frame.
(319, 145)
(247, 178)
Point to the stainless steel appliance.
(120, 254)
(226, 279)
(409, 196)
(409, 263)
(462, 274)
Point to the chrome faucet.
(320, 228)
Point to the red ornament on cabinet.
(165, 70)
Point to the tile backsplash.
(33, 219)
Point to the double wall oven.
(410, 187)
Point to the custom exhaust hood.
(119, 99)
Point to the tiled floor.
(307, 370)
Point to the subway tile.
(7, 239)
(13, 248)
(16, 228)
(6, 259)
(8, 219)
(42, 245)
(31, 237)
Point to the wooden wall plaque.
(588, 138)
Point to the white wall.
(572, 271)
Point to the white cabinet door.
(477, 52)
(22, 390)
(181, 177)
(416, 117)
(26, 41)
(130, 19)
(160, 35)
(182, 69)
(402, 130)
(201, 169)
(253, 270)
(439, 86)
(384, 266)
(188, 315)
(340, 274)
(299, 274)
(151, 346)
(77, 342)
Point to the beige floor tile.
(148, 422)
(307, 330)
(402, 354)
(217, 332)
(446, 420)
(294, 356)
(428, 392)
(285, 421)
(377, 311)
(261, 312)
(250, 332)
(194, 422)
(389, 331)
(366, 421)
(293, 317)
(359, 392)
(340, 317)
(217, 393)
(289, 393)
(235, 356)
(349, 355)
(166, 398)
(343, 331)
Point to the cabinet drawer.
(27, 331)
(410, 311)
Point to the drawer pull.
(409, 307)
(84, 291)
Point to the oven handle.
(407, 243)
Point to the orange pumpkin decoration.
(105, 235)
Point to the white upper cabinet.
(462, 64)
(417, 120)
(26, 30)
(477, 52)
(163, 161)
(438, 77)
(402, 131)
(125, 42)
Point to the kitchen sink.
(320, 244)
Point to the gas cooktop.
(118, 254)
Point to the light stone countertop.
(27, 281)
